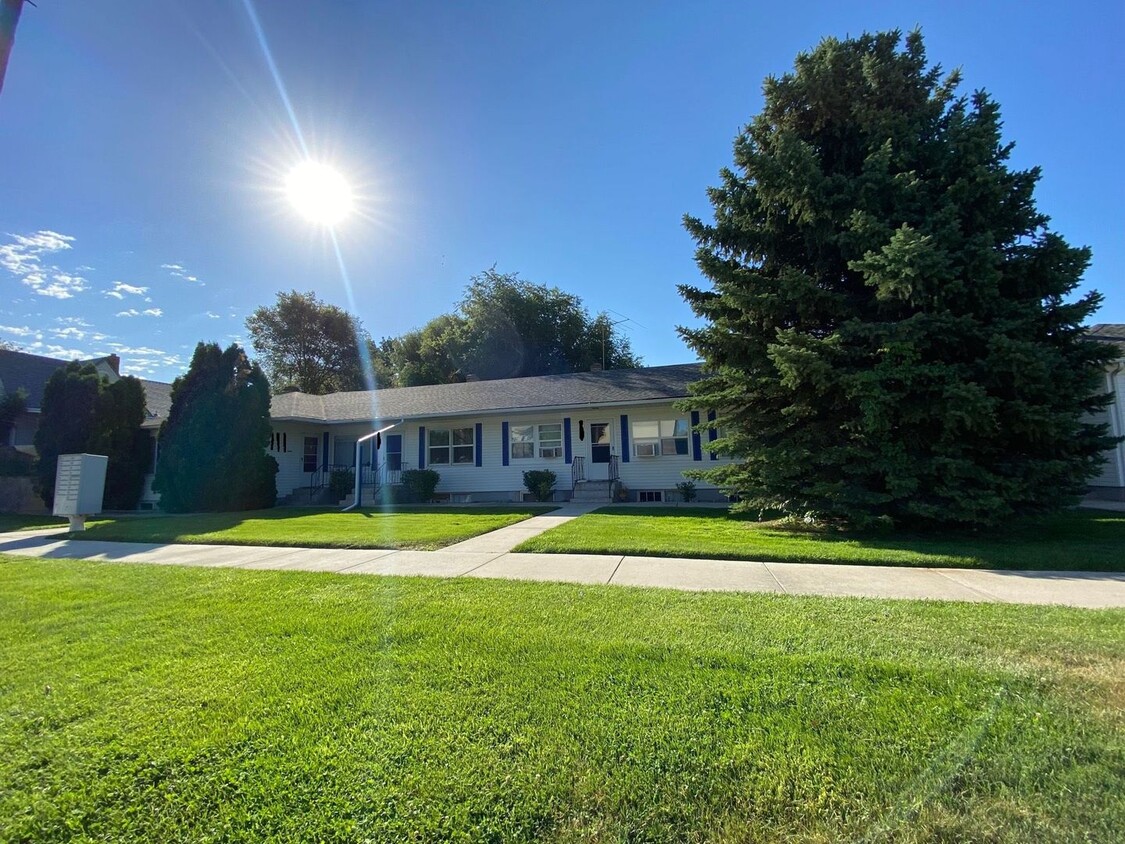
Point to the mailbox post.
(79, 487)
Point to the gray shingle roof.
(1111, 332)
(19, 370)
(158, 401)
(579, 389)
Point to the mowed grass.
(1077, 540)
(423, 528)
(148, 703)
(17, 521)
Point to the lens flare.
(319, 193)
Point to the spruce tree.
(890, 336)
(212, 454)
(83, 412)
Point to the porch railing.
(614, 467)
(577, 471)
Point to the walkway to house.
(490, 556)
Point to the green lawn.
(1077, 540)
(144, 703)
(15, 521)
(424, 528)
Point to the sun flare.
(319, 193)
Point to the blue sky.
(145, 142)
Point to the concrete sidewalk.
(479, 558)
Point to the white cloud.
(72, 331)
(213, 315)
(180, 271)
(18, 330)
(153, 312)
(23, 257)
(121, 290)
(132, 312)
(72, 320)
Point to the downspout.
(1116, 412)
(358, 451)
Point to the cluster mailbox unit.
(79, 487)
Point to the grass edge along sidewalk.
(1076, 540)
(418, 528)
(163, 704)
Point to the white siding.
(492, 479)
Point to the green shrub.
(540, 483)
(15, 464)
(420, 484)
(686, 490)
(341, 482)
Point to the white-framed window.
(650, 496)
(550, 440)
(455, 446)
(662, 438)
(527, 441)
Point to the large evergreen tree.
(890, 334)
(84, 413)
(212, 453)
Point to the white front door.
(599, 451)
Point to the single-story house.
(1110, 484)
(30, 373)
(590, 428)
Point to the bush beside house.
(213, 444)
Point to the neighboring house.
(21, 371)
(1110, 484)
(589, 428)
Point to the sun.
(319, 193)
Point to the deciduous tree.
(892, 332)
(308, 345)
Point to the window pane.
(646, 430)
(439, 437)
(439, 455)
(522, 433)
(462, 436)
(462, 454)
(599, 433)
(667, 446)
(550, 432)
(521, 450)
(681, 446)
(682, 428)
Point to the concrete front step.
(593, 492)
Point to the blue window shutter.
(422, 447)
(624, 438)
(504, 443)
(566, 440)
(712, 434)
(480, 444)
(696, 440)
(326, 460)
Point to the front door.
(601, 447)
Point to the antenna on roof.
(607, 325)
